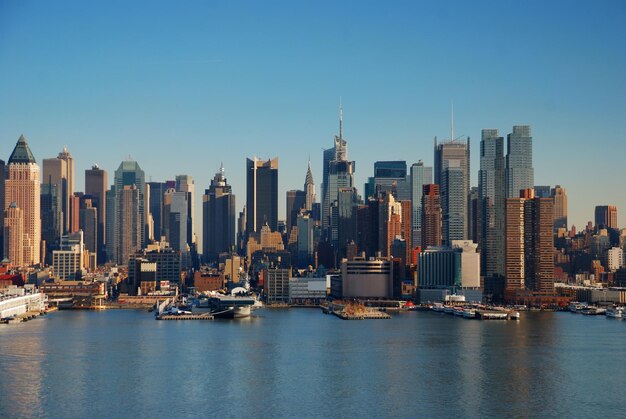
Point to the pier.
(202, 316)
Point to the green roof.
(21, 152)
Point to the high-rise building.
(420, 176)
(309, 189)
(218, 217)
(454, 156)
(178, 222)
(431, 216)
(529, 247)
(491, 189)
(60, 171)
(261, 194)
(89, 225)
(296, 200)
(519, 161)
(560, 207)
(129, 228)
(156, 203)
(344, 219)
(337, 173)
(453, 201)
(51, 218)
(96, 186)
(185, 183)
(130, 174)
(391, 177)
(542, 191)
(606, 217)
(75, 200)
(13, 232)
(22, 187)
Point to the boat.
(469, 313)
(615, 312)
(437, 307)
(514, 315)
(592, 311)
(576, 307)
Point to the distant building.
(519, 161)
(453, 157)
(307, 290)
(23, 187)
(13, 231)
(261, 194)
(185, 184)
(606, 217)
(367, 278)
(89, 225)
(277, 286)
(218, 216)
(68, 261)
(614, 259)
(559, 196)
(96, 186)
(60, 171)
(168, 262)
(529, 248)
(431, 216)
(296, 200)
(391, 177)
(420, 176)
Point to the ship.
(240, 303)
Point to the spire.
(21, 153)
(309, 176)
(340, 119)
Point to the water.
(300, 362)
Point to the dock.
(202, 316)
(362, 316)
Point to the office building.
(454, 156)
(606, 217)
(519, 161)
(67, 262)
(529, 243)
(431, 216)
(218, 218)
(96, 187)
(155, 204)
(60, 171)
(367, 278)
(13, 232)
(168, 262)
(89, 225)
(391, 177)
(2, 168)
(22, 187)
(559, 195)
(491, 190)
(420, 175)
(185, 183)
(296, 200)
(51, 219)
(261, 194)
(277, 286)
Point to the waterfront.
(299, 362)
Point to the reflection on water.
(123, 363)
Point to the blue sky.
(183, 86)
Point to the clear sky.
(182, 86)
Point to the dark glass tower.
(218, 218)
(261, 194)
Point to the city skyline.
(155, 100)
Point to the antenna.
(451, 121)
(340, 119)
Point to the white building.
(307, 289)
(14, 305)
(614, 259)
(470, 263)
(67, 263)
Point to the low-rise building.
(307, 290)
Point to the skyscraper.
(13, 232)
(89, 225)
(129, 211)
(431, 216)
(606, 216)
(420, 176)
(22, 187)
(529, 262)
(60, 171)
(3, 208)
(178, 221)
(51, 218)
(491, 189)
(453, 202)
(559, 195)
(185, 183)
(309, 189)
(261, 194)
(157, 190)
(457, 152)
(96, 186)
(218, 217)
(391, 176)
(335, 164)
(296, 200)
(519, 161)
